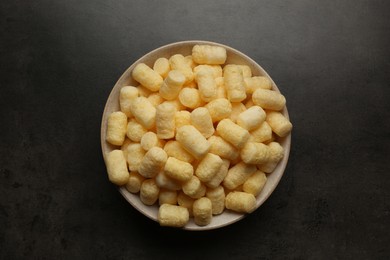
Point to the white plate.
(184, 48)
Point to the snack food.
(203, 212)
(208, 121)
(173, 216)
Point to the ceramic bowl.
(184, 47)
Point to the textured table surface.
(59, 60)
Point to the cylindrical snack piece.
(251, 118)
(237, 109)
(194, 188)
(126, 96)
(124, 146)
(269, 99)
(261, 134)
(222, 148)
(117, 167)
(144, 112)
(190, 97)
(167, 197)
(240, 202)
(150, 140)
(172, 85)
(143, 92)
(155, 99)
(135, 182)
(216, 69)
(217, 198)
(201, 192)
(246, 71)
(135, 130)
(255, 153)
(279, 123)
(221, 91)
(255, 183)
(147, 77)
(185, 201)
(209, 54)
(149, 192)
(276, 153)
(192, 141)
(203, 211)
(175, 149)
(234, 83)
(201, 119)
(208, 167)
(220, 175)
(219, 109)
(135, 153)
(178, 170)
(233, 133)
(206, 84)
(190, 61)
(164, 182)
(161, 66)
(165, 120)
(172, 216)
(116, 128)
(238, 174)
(178, 62)
(254, 83)
(152, 162)
(182, 118)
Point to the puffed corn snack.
(197, 137)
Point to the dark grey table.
(60, 59)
